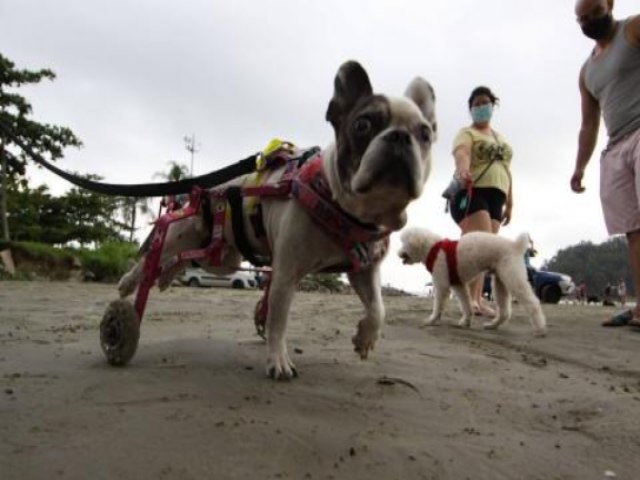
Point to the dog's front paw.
(490, 325)
(280, 366)
(365, 338)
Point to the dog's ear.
(422, 94)
(350, 85)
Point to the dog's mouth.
(390, 170)
(396, 176)
(405, 258)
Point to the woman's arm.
(506, 217)
(462, 156)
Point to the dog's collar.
(364, 243)
(450, 248)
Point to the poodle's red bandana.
(449, 247)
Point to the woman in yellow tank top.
(483, 159)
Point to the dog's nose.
(398, 136)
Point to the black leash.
(218, 177)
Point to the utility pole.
(4, 173)
(193, 147)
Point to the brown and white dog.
(379, 162)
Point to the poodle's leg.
(464, 297)
(503, 301)
(522, 291)
(440, 298)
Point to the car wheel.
(193, 282)
(550, 294)
(237, 284)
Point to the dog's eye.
(425, 133)
(362, 126)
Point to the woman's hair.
(483, 91)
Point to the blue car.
(550, 287)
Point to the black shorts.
(490, 199)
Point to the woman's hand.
(464, 177)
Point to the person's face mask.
(482, 113)
(598, 28)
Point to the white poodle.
(453, 264)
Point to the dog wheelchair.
(302, 179)
(120, 325)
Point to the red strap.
(449, 247)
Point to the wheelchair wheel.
(119, 332)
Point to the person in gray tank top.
(610, 87)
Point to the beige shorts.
(620, 184)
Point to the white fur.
(477, 252)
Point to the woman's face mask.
(482, 113)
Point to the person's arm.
(462, 156)
(632, 31)
(506, 217)
(588, 134)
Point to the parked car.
(197, 277)
(550, 287)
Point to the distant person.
(530, 253)
(610, 85)
(607, 297)
(582, 292)
(482, 166)
(622, 292)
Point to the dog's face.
(383, 146)
(416, 243)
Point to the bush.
(322, 282)
(41, 260)
(108, 262)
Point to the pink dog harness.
(449, 247)
(364, 244)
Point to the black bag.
(455, 186)
(452, 189)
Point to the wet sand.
(194, 403)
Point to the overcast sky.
(134, 77)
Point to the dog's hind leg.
(503, 302)
(464, 298)
(131, 279)
(522, 291)
(440, 299)
(182, 235)
(366, 284)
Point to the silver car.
(197, 277)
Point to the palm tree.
(129, 209)
(176, 172)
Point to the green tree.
(45, 139)
(78, 216)
(176, 171)
(594, 264)
(130, 207)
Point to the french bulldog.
(378, 163)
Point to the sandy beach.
(194, 403)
